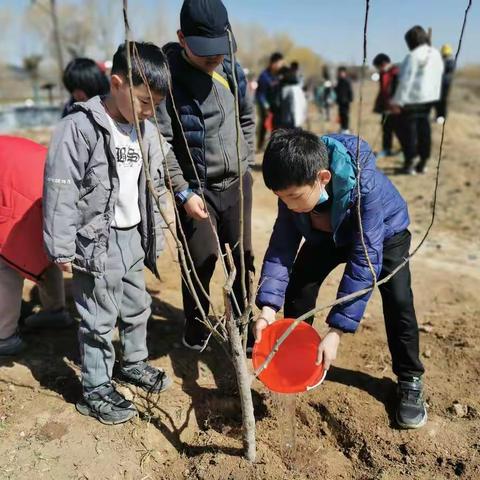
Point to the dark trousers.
(262, 131)
(224, 209)
(387, 131)
(441, 105)
(344, 114)
(314, 263)
(412, 127)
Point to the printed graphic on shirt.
(127, 156)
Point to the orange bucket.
(293, 368)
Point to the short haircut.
(293, 158)
(275, 57)
(294, 65)
(342, 68)
(85, 74)
(150, 61)
(416, 36)
(380, 59)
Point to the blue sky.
(333, 28)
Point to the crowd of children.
(100, 223)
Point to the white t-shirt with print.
(129, 166)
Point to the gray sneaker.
(11, 345)
(48, 319)
(106, 405)
(141, 374)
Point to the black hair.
(84, 74)
(294, 65)
(416, 36)
(341, 69)
(380, 59)
(293, 157)
(153, 64)
(288, 76)
(275, 57)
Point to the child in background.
(293, 103)
(265, 93)
(315, 180)
(344, 97)
(99, 218)
(84, 79)
(447, 78)
(419, 87)
(388, 83)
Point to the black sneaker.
(421, 168)
(48, 319)
(106, 405)
(411, 412)
(195, 335)
(141, 374)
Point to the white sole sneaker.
(195, 348)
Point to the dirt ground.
(344, 428)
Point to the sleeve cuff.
(182, 197)
(63, 259)
(343, 323)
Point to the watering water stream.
(286, 405)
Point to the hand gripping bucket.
(293, 368)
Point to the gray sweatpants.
(119, 294)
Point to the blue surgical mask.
(323, 196)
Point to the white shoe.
(197, 347)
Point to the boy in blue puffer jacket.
(315, 179)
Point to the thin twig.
(357, 155)
(146, 165)
(239, 166)
(177, 213)
(200, 191)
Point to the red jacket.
(21, 183)
(388, 85)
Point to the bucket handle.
(311, 387)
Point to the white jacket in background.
(295, 102)
(420, 77)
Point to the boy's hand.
(395, 109)
(266, 318)
(327, 350)
(195, 208)
(65, 267)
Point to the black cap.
(204, 24)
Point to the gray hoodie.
(81, 189)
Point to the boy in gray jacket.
(100, 219)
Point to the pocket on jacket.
(91, 244)
(94, 195)
(86, 239)
(91, 181)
